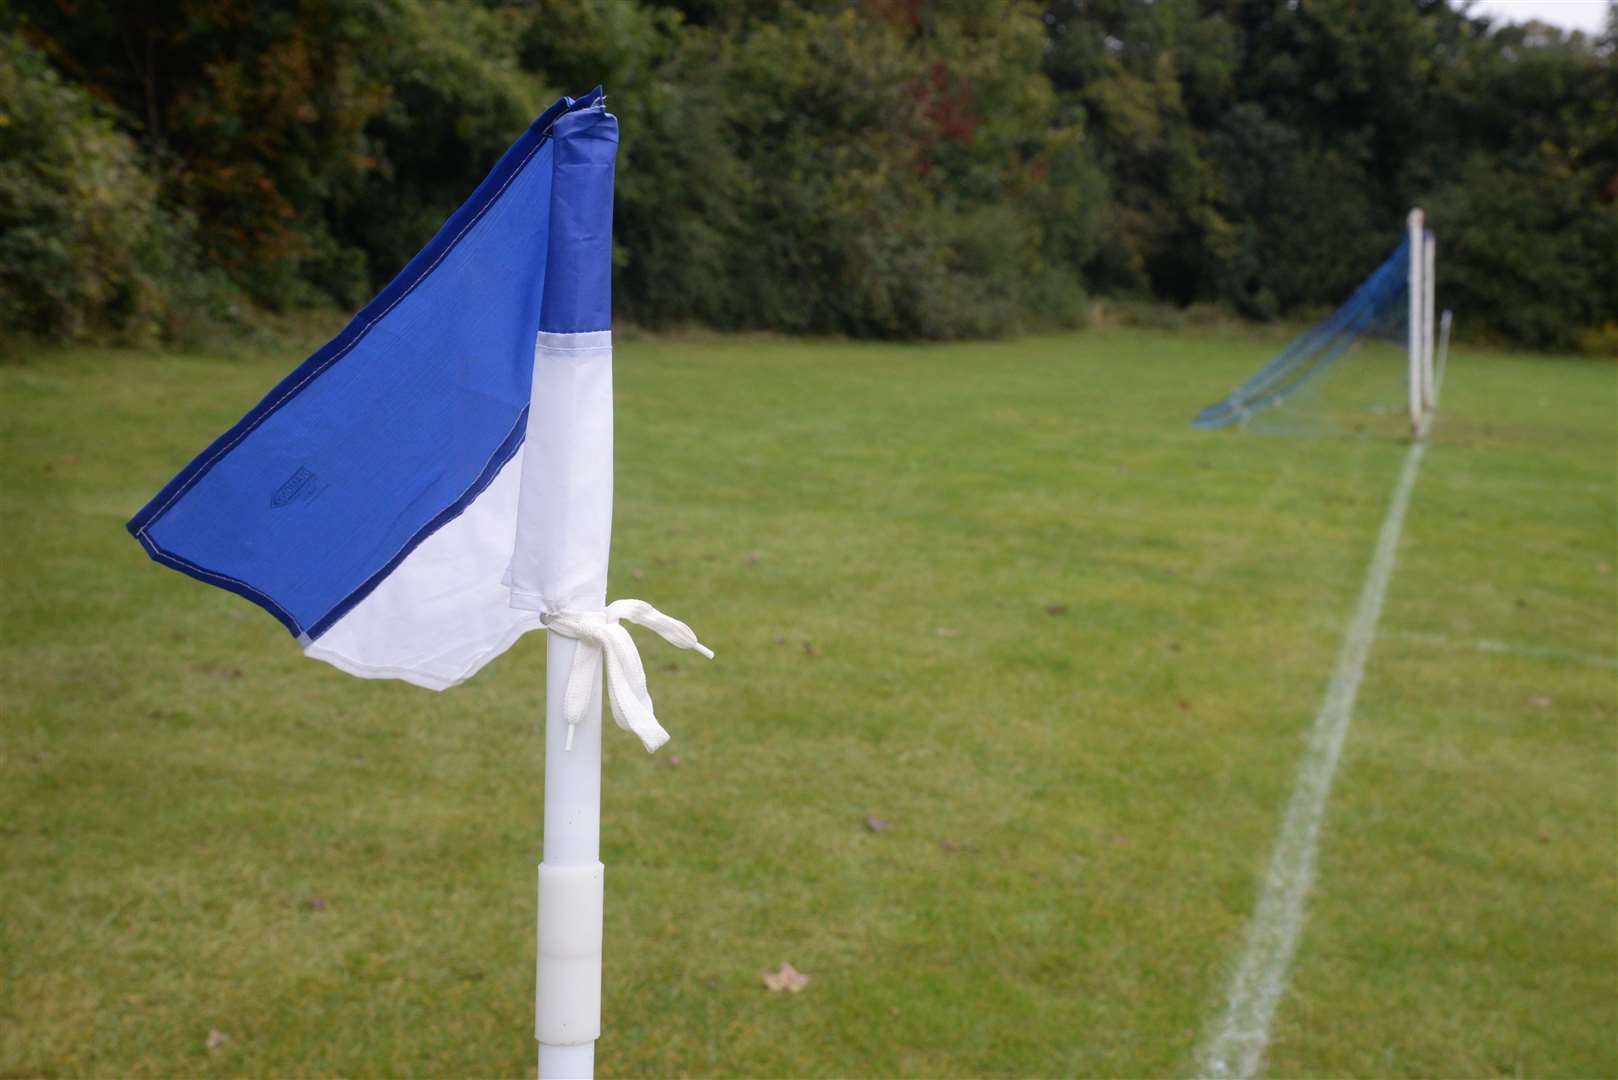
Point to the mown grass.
(873, 538)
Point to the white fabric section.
(564, 506)
(564, 534)
(567, 1004)
(601, 634)
(443, 612)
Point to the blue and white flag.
(436, 480)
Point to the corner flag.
(436, 481)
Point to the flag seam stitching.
(459, 505)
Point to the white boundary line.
(1237, 1046)
(1538, 652)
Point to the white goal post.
(1423, 255)
(1429, 252)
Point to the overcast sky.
(1587, 15)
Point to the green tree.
(254, 116)
(85, 247)
(1140, 73)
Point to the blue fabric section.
(393, 427)
(578, 289)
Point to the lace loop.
(602, 638)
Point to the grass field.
(1001, 596)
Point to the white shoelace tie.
(601, 635)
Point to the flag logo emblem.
(293, 485)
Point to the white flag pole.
(559, 569)
(567, 1001)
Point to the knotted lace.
(600, 634)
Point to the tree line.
(884, 168)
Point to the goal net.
(1387, 326)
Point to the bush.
(847, 173)
(85, 248)
(1528, 252)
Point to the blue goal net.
(1379, 308)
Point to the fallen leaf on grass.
(809, 649)
(876, 824)
(216, 1038)
(788, 978)
(1056, 609)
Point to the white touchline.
(1236, 1048)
